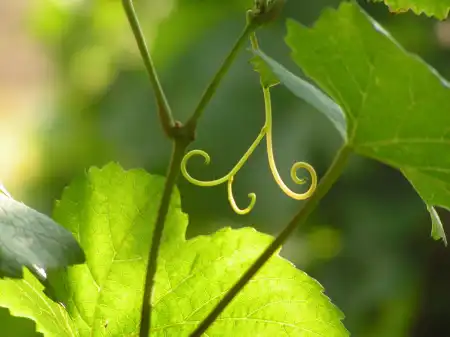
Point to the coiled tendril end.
(233, 204)
(207, 161)
(229, 178)
(303, 165)
(295, 178)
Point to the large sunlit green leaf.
(112, 213)
(25, 298)
(279, 300)
(31, 239)
(437, 8)
(397, 107)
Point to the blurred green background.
(73, 94)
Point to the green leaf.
(268, 78)
(31, 239)
(308, 93)
(437, 229)
(437, 8)
(112, 213)
(397, 106)
(25, 298)
(280, 300)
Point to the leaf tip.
(437, 228)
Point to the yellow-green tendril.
(228, 177)
(266, 131)
(233, 204)
(295, 167)
(270, 155)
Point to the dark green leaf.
(31, 239)
(308, 93)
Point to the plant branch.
(179, 148)
(326, 183)
(164, 111)
(212, 87)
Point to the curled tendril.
(266, 131)
(233, 204)
(228, 177)
(295, 167)
(197, 182)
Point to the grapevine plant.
(90, 271)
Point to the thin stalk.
(212, 87)
(324, 186)
(179, 148)
(164, 111)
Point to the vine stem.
(165, 113)
(179, 149)
(180, 144)
(181, 137)
(324, 186)
(191, 124)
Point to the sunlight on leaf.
(112, 213)
(25, 298)
(437, 8)
(361, 68)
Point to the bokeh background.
(73, 94)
